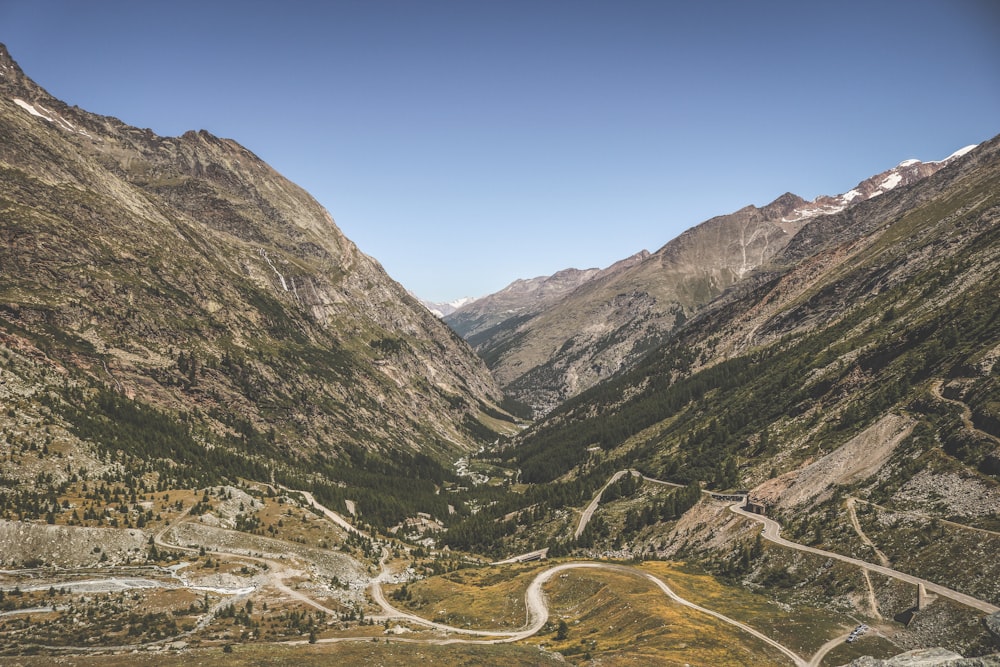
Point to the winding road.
(772, 532)
(588, 513)
(537, 609)
(536, 604)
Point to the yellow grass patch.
(487, 598)
(616, 617)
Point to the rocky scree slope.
(184, 274)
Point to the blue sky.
(466, 144)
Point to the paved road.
(663, 483)
(772, 532)
(826, 648)
(595, 501)
(538, 554)
(536, 605)
(537, 609)
(796, 659)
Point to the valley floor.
(223, 594)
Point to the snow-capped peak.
(442, 309)
(960, 152)
(904, 173)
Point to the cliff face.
(186, 274)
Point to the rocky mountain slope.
(553, 346)
(863, 362)
(849, 386)
(883, 296)
(524, 298)
(182, 279)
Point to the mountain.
(227, 437)
(548, 348)
(849, 387)
(182, 280)
(525, 298)
(442, 309)
(855, 293)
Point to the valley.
(286, 579)
(228, 436)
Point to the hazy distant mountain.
(525, 297)
(442, 309)
(546, 346)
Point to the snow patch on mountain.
(960, 152)
(442, 309)
(41, 112)
(906, 172)
(32, 110)
(891, 181)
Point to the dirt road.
(882, 558)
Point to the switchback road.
(537, 609)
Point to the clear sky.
(468, 143)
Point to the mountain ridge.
(569, 343)
(224, 427)
(187, 276)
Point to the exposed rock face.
(186, 273)
(993, 624)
